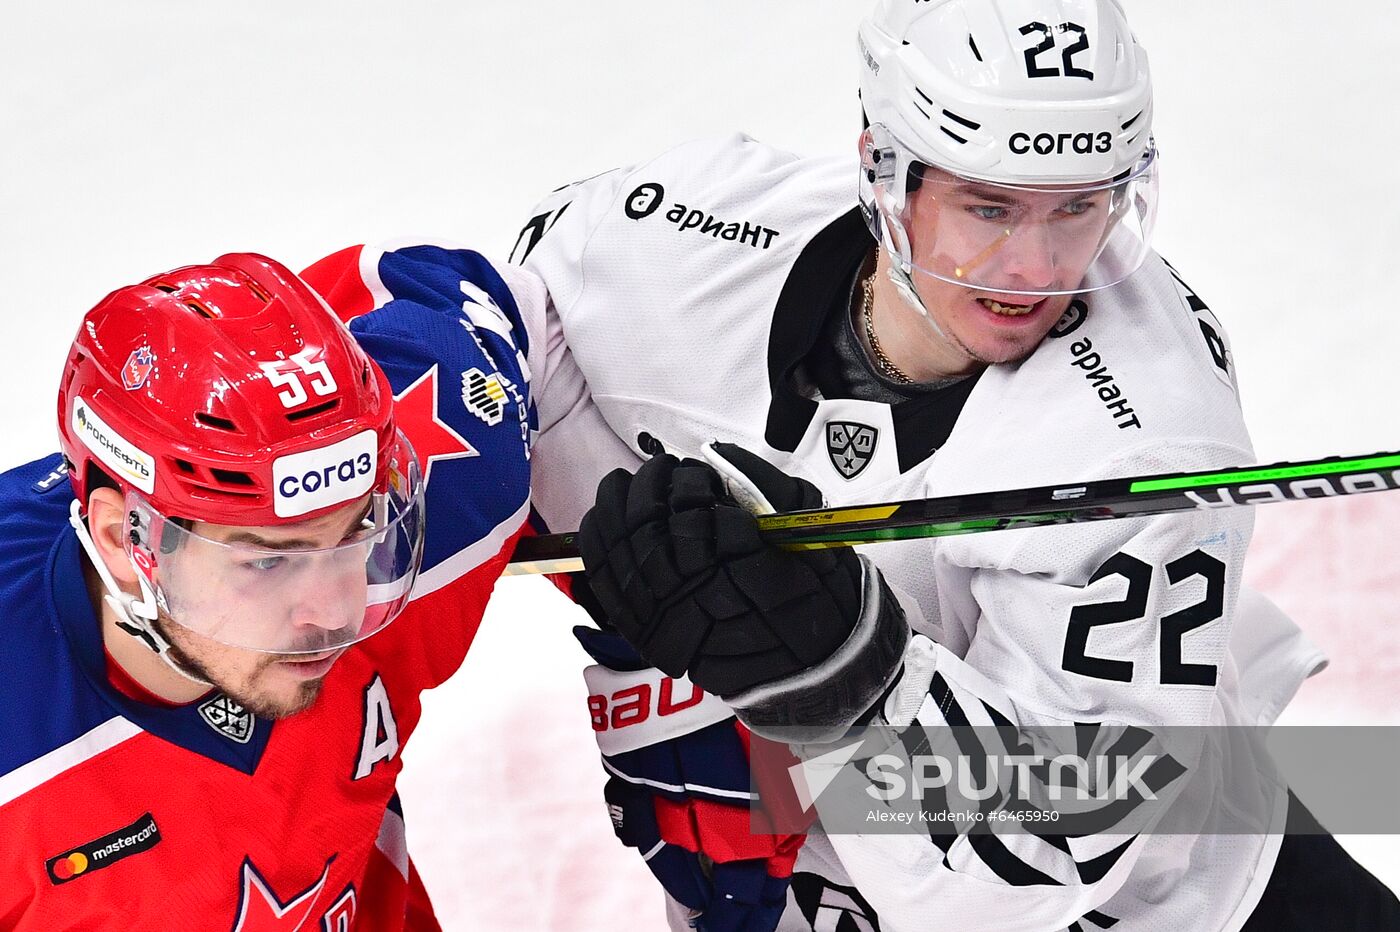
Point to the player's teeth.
(1006, 310)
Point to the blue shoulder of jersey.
(451, 340)
(53, 673)
(44, 699)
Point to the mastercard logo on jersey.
(141, 835)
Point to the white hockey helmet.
(1015, 100)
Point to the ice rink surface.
(141, 135)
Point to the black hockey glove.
(680, 570)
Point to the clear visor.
(303, 588)
(1010, 239)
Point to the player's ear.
(106, 518)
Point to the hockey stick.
(1131, 497)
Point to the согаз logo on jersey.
(851, 446)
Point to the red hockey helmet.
(231, 394)
(193, 385)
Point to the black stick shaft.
(1034, 507)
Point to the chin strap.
(896, 247)
(904, 284)
(136, 616)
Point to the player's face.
(315, 599)
(1022, 240)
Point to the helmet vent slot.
(314, 410)
(952, 135)
(1132, 121)
(228, 477)
(216, 422)
(972, 44)
(222, 496)
(162, 286)
(963, 120)
(200, 309)
(185, 466)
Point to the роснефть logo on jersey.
(851, 446)
(141, 835)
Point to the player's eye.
(989, 212)
(1078, 208)
(263, 564)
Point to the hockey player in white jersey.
(1008, 326)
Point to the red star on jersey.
(261, 910)
(415, 409)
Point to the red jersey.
(118, 814)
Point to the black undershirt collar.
(804, 349)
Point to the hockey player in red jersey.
(267, 533)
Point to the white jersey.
(690, 289)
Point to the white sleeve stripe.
(469, 558)
(85, 747)
(678, 787)
(392, 842)
(369, 275)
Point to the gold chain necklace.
(886, 365)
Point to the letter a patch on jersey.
(380, 740)
(851, 446)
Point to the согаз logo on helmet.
(315, 479)
(1060, 143)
